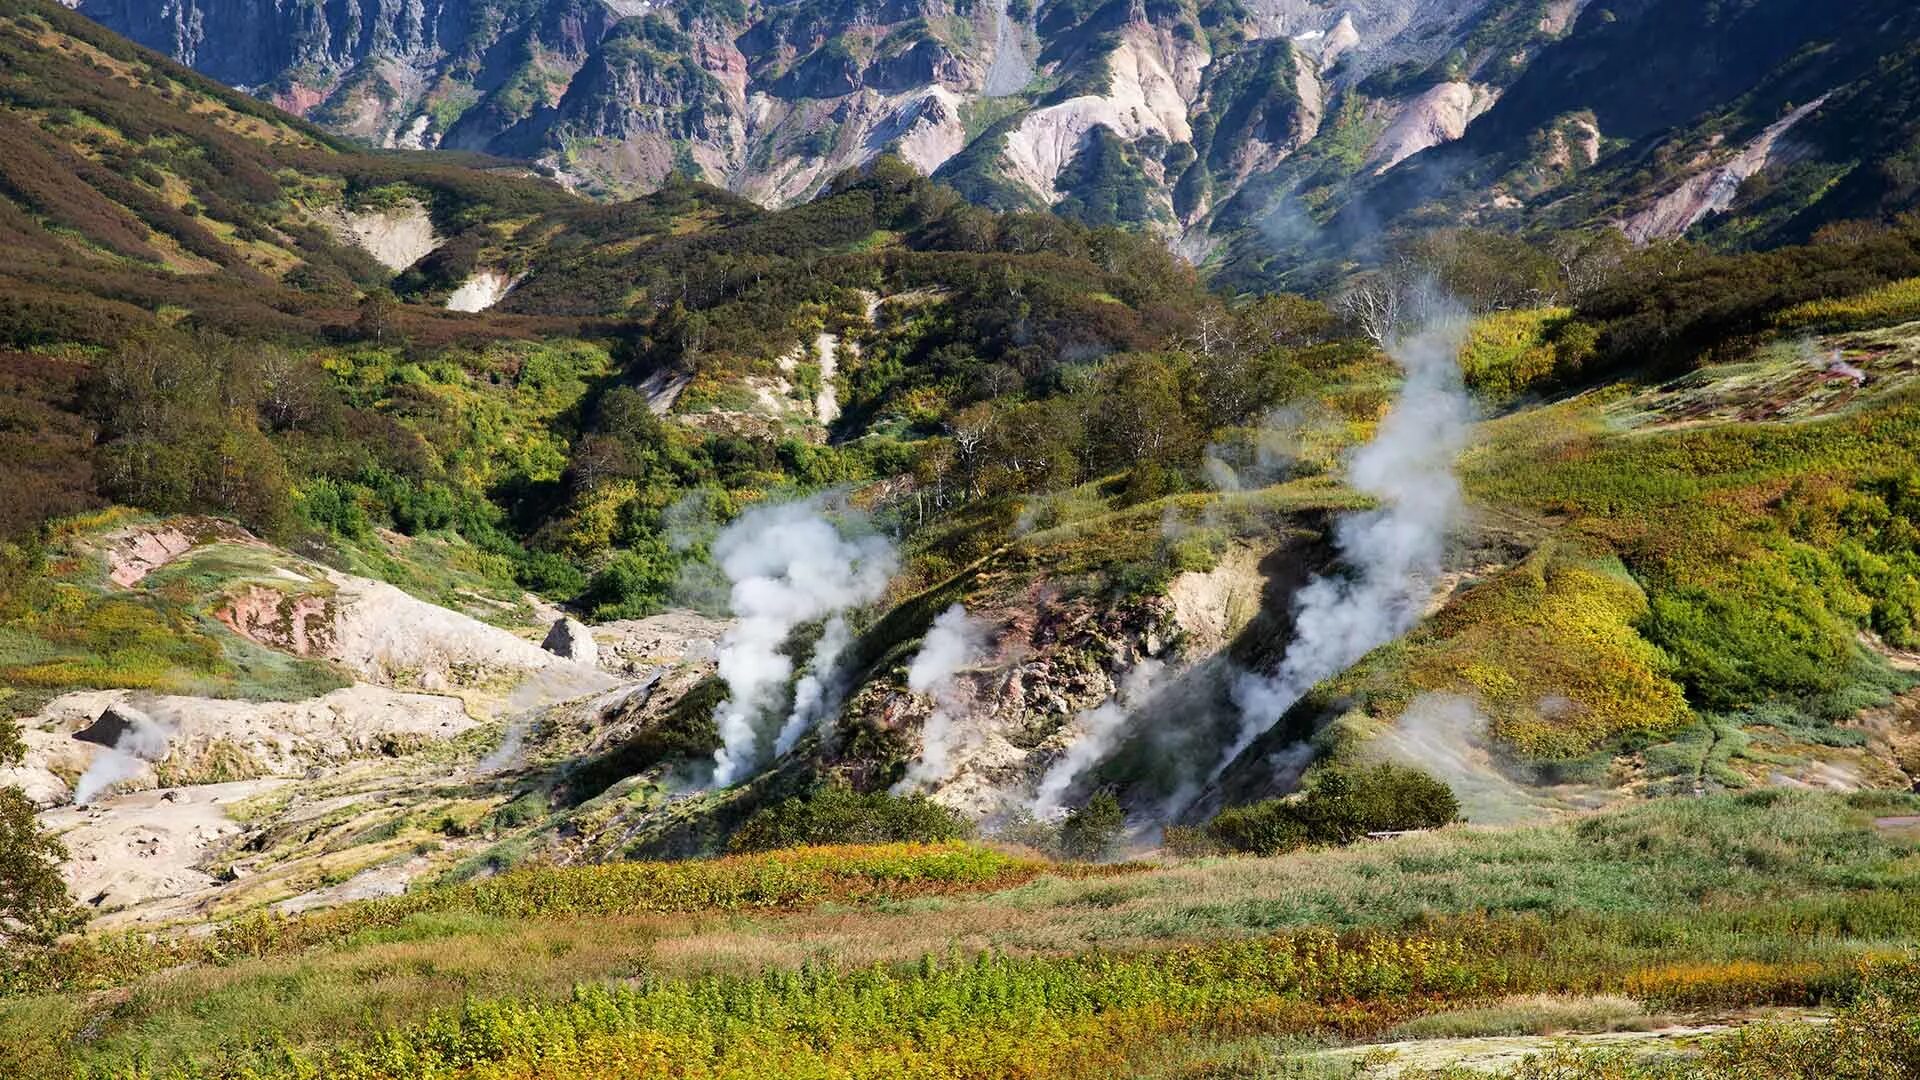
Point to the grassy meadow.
(959, 960)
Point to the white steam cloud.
(1837, 365)
(1100, 728)
(1445, 735)
(818, 695)
(788, 565)
(140, 741)
(1393, 553)
(954, 642)
(548, 686)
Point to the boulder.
(571, 640)
(122, 727)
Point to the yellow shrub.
(1550, 650)
(1510, 353)
(593, 524)
(1887, 305)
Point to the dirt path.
(1499, 1053)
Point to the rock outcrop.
(1712, 191)
(187, 740)
(569, 639)
(122, 723)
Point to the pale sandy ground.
(1497, 1054)
(144, 849)
(140, 855)
(397, 238)
(480, 292)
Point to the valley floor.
(1686, 931)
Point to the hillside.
(449, 626)
(1133, 492)
(1266, 140)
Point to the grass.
(782, 879)
(1887, 305)
(1590, 677)
(958, 958)
(1765, 551)
(1508, 354)
(63, 626)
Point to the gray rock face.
(122, 727)
(251, 42)
(1205, 124)
(571, 640)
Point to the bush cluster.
(1342, 805)
(836, 814)
(784, 879)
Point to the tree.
(1483, 270)
(967, 432)
(378, 319)
(1282, 320)
(1375, 304)
(1141, 416)
(1092, 830)
(179, 430)
(1030, 447)
(1589, 261)
(34, 905)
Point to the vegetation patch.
(777, 880)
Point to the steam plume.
(1837, 364)
(141, 740)
(954, 642)
(1394, 552)
(788, 565)
(1445, 736)
(1258, 458)
(1100, 729)
(548, 686)
(818, 695)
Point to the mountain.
(453, 626)
(134, 186)
(1259, 138)
(435, 372)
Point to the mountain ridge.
(1258, 138)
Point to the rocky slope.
(1094, 509)
(1238, 131)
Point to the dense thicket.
(835, 814)
(1341, 806)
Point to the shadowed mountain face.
(1237, 131)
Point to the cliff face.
(771, 99)
(258, 42)
(1238, 131)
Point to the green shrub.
(634, 584)
(524, 810)
(1188, 842)
(550, 574)
(1091, 831)
(1342, 806)
(1895, 302)
(1509, 354)
(836, 814)
(325, 504)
